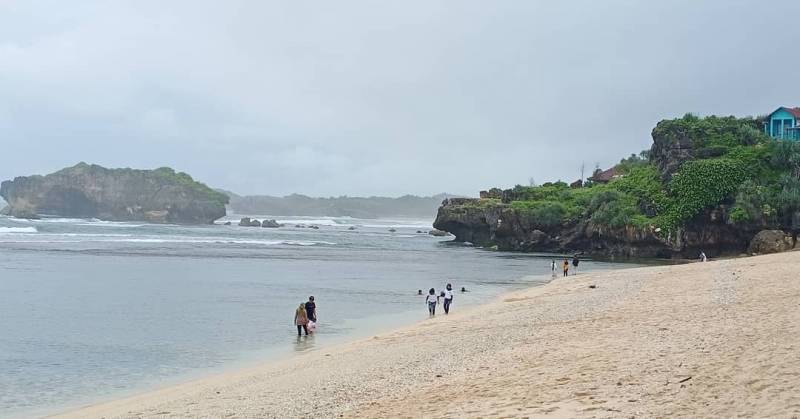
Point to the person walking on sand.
(301, 319)
(566, 267)
(431, 300)
(575, 262)
(448, 298)
(311, 309)
(703, 257)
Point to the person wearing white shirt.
(431, 300)
(448, 298)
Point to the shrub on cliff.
(701, 184)
(169, 175)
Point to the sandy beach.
(717, 339)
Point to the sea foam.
(17, 230)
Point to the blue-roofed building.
(783, 124)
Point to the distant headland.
(91, 191)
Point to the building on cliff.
(605, 176)
(783, 124)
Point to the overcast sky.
(376, 98)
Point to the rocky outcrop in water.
(91, 191)
(270, 224)
(247, 222)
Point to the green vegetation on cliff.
(162, 175)
(695, 165)
(184, 179)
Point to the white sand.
(715, 339)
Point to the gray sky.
(376, 98)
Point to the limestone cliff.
(500, 225)
(91, 191)
(651, 210)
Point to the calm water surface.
(91, 310)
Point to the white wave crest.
(17, 230)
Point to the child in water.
(431, 300)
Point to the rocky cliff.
(91, 191)
(625, 217)
(500, 225)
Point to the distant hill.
(409, 206)
(91, 191)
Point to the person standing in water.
(566, 267)
(311, 309)
(431, 300)
(301, 319)
(575, 262)
(448, 298)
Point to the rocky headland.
(716, 185)
(92, 191)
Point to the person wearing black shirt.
(311, 309)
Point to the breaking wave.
(18, 230)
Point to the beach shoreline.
(277, 357)
(652, 341)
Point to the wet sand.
(713, 339)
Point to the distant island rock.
(91, 191)
(251, 222)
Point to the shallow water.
(92, 310)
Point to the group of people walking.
(565, 265)
(446, 298)
(305, 317)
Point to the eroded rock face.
(471, 220)
(91, 191)
(672, 146)
(770, 241)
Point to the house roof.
(794, 111)
(606, 175)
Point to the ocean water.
(92, 310)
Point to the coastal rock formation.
(509, 229)
(770, 241)
(671, 148)
(270, 224)
(91, 191)
(437, 233)
(247, 222)
(724, 194)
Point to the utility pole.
(583, 168)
